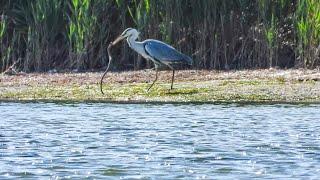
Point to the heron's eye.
(126, 34)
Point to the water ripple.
(143, 141)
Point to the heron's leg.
(172, 76)
(155, 79)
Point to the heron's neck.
(135, 45)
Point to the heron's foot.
(169, 91)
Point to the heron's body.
(158, 52)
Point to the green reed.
(308, 32)
(2, 31)
(217, 34)
(3, 27)
(36, 27)
(80, 31)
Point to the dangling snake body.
(106, 71)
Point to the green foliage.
(308, 31)
(81, 27)
(36, 27)
(140, 12)
(3, 27)
(218, 34)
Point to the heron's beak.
(120, 38)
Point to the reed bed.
(56, 35)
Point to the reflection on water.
(134, 141)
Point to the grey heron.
(158, 52)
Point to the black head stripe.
(125, 31)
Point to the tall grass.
(80, 31)
(4, 55)
(36, 28)
(308, 32)
(218, 34)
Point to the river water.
(167, 141)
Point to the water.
(135, 141)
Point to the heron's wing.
(163, 52)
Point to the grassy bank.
(287, 86)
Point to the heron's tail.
(188, 60)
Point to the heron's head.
(128, 33)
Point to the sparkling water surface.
(167, 141)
